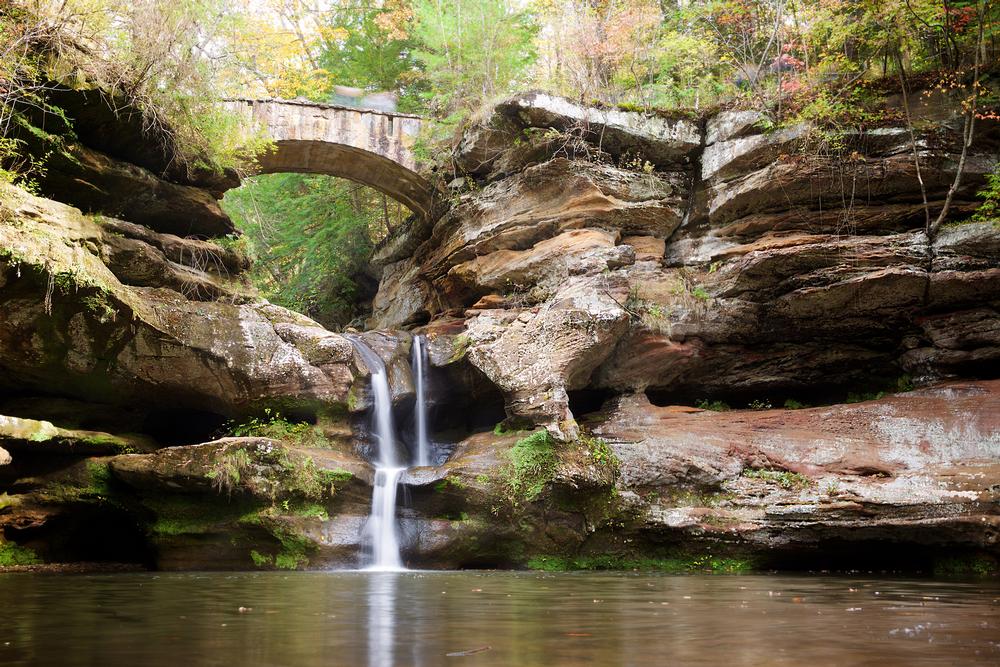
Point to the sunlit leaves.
(310, 238)
(472, 50)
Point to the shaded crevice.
(86, 533)
(890, 379)
(173, 427)
(586, 401)
(462, 398)
(877, 556)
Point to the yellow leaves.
(333, 33)
(396, 21)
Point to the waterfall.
(423, 441)
(381, 538)
(381, 526)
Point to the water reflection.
(493, 618)
(381, 618)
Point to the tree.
(473, 51)
(168, 59)
(369, 46)
(602, 50)
(310, 238)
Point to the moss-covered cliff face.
(628, 319)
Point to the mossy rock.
(34, 436)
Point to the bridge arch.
(374, 148)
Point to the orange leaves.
(395, 20)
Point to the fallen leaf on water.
(471, 651)
(578, 634)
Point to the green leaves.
(310, 238)
(367, 55)
(472, 50)
(990, 208)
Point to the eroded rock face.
(536, 357)
(901, 481)
(108, 122)
(71, 324)
(548, 235)
(738, 265)
(113, 158)
(97, 183)
(585, 300)
(234, 503)
(796, 479)
(664, 141)
(119, 339)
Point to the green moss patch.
(967, 566)
(293, 550)
(261, 560)
(783, 478)
(533, 463)
(12, 554)
(672, 565)
(335, 476)
(194, 515)
(450, 484)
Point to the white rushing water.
(381, 526)
(381, 535)
(423, 457)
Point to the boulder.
(537, 356)
(97, 183)
(261, 468)
(245, 503)
(661, 140)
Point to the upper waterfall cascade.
(423, 453)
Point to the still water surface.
(493, 618)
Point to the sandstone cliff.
(628, 318)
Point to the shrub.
(273, 425)
(783, 478)
(990, 194)
(12, 554)
(229, 469)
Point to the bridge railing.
(319, 105)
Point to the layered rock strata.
(628, 318)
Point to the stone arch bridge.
(370, 147)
